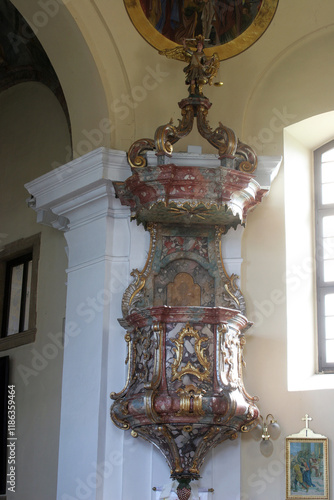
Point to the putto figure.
(200, 69)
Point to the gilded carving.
(190, 369)
(222, 138)
(131, 368)
(123, 409)
(230, 282)
(190, 401)
(138, 284)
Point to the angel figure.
(200, 69)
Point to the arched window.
(324, 238)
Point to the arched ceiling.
(58, 33)
(22, 57)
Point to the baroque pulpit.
(183, 313)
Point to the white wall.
(277, 245)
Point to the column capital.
(80, 190)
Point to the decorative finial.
(184, 489)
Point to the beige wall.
(33, 134)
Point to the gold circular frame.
(224, 51)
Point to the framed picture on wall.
(307, 467)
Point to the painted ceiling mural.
(218, 21)
(228, 26)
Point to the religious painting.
(228, 26)
(306, 468)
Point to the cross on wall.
(307, 419)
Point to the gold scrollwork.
(252, 423)
(190, 369)
(230, 281)
(222, 138)
(123, 408)
(135, 153)
(234, 287)
(194, 469)
(131, 368)
(165, 137)
(140, 276)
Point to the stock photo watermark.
(84, 487)
(11, 439)
(86, 310)
(293, 279)
(39, 20)
(94, 480)
(121, 107)
(279, 120)
(258, 481)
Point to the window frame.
(10, 253)
(322, 287)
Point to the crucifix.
(307, 419)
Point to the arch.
(65, 38)
(22, 58)
(293, 88)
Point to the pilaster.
(78, 198)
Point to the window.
(301, 141)
(17, 295)
(324, 224)
(18, 289)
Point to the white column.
(79, 198)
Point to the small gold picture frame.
(307, 466)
